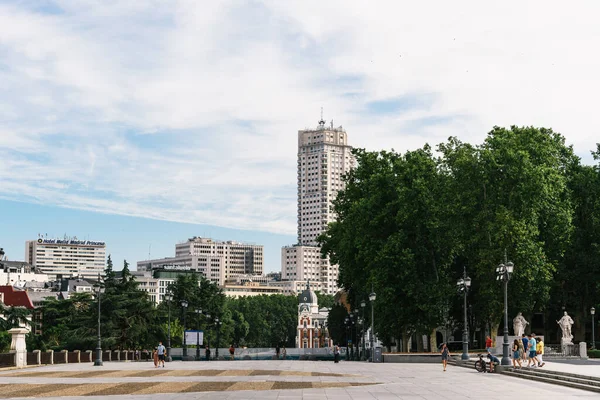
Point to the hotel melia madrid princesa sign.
(71, 242)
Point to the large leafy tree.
(390, 236)
(577, 285)
(509, 196)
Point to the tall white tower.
(323, 157)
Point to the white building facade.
(69, 257)
(293, 288)
(324, 156)
(19, 274)
(216, 260)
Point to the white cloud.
(188, 111)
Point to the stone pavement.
(271, 380)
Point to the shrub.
(594, 353)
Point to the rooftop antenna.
(321, 121)
(149, 248)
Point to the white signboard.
(192, 337)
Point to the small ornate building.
(312, 330)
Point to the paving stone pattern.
(270, 380)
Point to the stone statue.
(519, 324)
(565, 324)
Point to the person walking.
(160, 350)
(532, 354)
(539, 349)
(336, 354)
(517, 353)
(445, 355)
(277, 350)
(284, 353)
(525, 347)
(231, 352)
(155, 357)
(521, 349)
(207, 352)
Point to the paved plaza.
(273, 380)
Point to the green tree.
(509, 194)
(576, 283)
(391, 235)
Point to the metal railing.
(8, 360)
(558, 350)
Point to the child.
(539, 349)
(155, 357)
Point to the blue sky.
(127, 238)
(169, 117)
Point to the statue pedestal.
(18, 346)
(567, 347)
(583, 350)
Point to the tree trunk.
(405, 342)
(494, 331)
(419, 338)
(433, 341)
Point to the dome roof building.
(312, 323)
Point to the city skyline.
(133, 121)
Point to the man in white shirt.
(161, 353)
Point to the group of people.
(159, 353)
(530, 349)
(278, 351)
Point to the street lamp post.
(372, 298)
(168, 298)
(351, 325)
(593, 311)
(99, 289)
(362, 330)
(463, 286)
(207, 329)
(198, 313)
(503, 273)
(218, 326)
(347, 323)
(355, 344)
(184, 305)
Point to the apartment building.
(324, 156)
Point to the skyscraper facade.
(324, 156)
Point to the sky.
(147, 122)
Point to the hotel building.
(68, 257)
